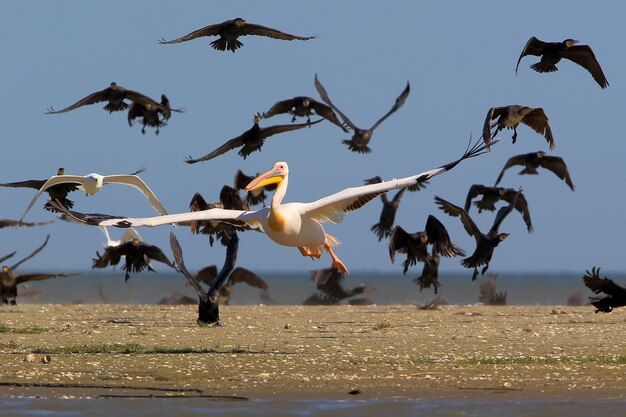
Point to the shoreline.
(298, 352)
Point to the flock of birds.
(300, 224)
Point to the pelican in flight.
(293, 224)
(93, 182)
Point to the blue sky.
(458, 56)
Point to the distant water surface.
(293, 288)
(285, 407)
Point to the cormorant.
(533, 160)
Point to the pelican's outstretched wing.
(54, 180)
(331, 209)
(135, 181)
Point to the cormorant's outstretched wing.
(439, 238)
(514, 160)
(474, 191)
(399, 241)
(246, 276)
(155, 253)
(456, 211)
(8, 256)
(602, 285)
(207, 274)
(15, 223)
(557, 165)
(584, 56)
(533, 47)
(500, 216)
(35, 252)
(538, 121)
(97, 97)
(259, 30)
(36, 184)
(231, 144)
(41, 277)
(326, 99)
(211, 30)
(521, 205)
(399, 103)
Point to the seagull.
(229, 30)
(302, 106)
(295, 224)
(491, 195)
(415, 245)
(361, 137)
(114, 94)
(552, 52)
(251, 140)
(615, 294)
(485, 243)
(511, 116)
(532, 161)
(57, 192)
(136, 253)
(92, 183)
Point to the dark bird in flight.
(415, 245)
(430, 274)
(382, 229)
(615, 294)
(329, 283)
(137, 256)
(552, 52)
(491, 195)
(532, 161)
(253, 197)
(511, 116)
(239, 275)
(302, 106)
(488, 294)
(361, 137)
(9, 279)
(230, 30)
(230, 199)
(57, 192)
(251, 140)
(15, 223)
(149, 110)
(485, 243)
(114, 95)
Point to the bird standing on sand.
(251, 140)
(552, 52)
(229, 30)
(9, 279)
(615, 294)
(294, 224)
(511, 116)
(485, 243)
(533, 160)
(329, 283)
(361, 137)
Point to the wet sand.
(313, 352)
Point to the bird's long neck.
(276, 221)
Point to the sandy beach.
(313, 352)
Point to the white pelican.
(93, 182)
(292, 224)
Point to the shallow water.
(285, 407)
(293, 288)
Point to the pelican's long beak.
(273, 176)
